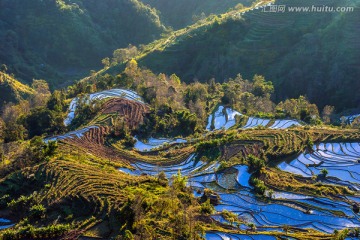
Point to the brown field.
(132, 112)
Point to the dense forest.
(61, 40)
(85, 32)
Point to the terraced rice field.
(224, 118)
(299, 211)
(132, 112)
(5, 223)
(71, 135)
(187, 167)
(341, 160)
(284, 209)
(351, 118)
(155, 143)
(283, 124)
(255, 122)
(228, 236)
(113, 93)
(314, 213)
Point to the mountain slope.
(58, 40)
(315, 54)
(179, 14)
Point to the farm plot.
(155, 143)
(295, 210)
(341, 160)
(255, 122)
(224, 118)
(130, 111)
(283, 124)
(114, 93)
(187, 167)
(70, 135)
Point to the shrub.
(179, 182)
(162, 179)
(255, 163)
(37, 211)
(259, 186)
(129, 141)
(324, 172)
(207, 208)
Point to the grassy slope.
(12, 90)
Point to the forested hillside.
(179, 14)
(59, 40)
(314, 54)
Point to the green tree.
(261, 87)
(255, 163)
(56, 101)
(327, 113)
(42, 120)
(259, 186)
(324, 172)
(179, 181)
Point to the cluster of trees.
(259, 186)
(29, 153)
(173, 112)
(255, 98)
(122, 54)
(298, 108)
(249, 97)
(41, 113)
(255, 163)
